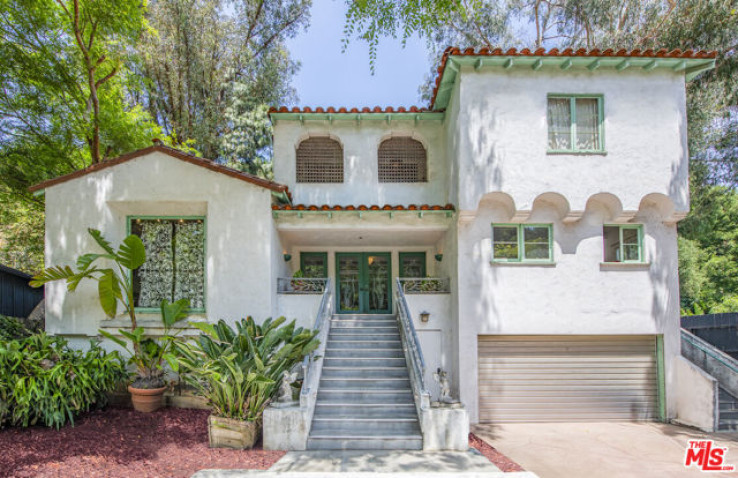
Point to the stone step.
(351, 353)
(413, 442)
(728, 406)
(368, 343)
(365, 372)
(358, 396)
(364, 362)
(363, 316)
(366, 331)
(353, 324)
(365, 383)
(326, 426)
(728, 415)
(366, 411)
(351, 335)
(728, 425)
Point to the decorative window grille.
(320, 160)
(175, 261)
(402, 160)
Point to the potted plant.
(115, 288)
(298, 285)
(239, 370)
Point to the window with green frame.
(522, 242)
(575, 124)
(412, 264)
(622, 243)
(314, 264)
(175, 261)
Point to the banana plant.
(238, 370)
(114, 284)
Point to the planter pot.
(147, 400)
(231, 433)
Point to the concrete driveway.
(604, 450)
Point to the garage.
(567, 378)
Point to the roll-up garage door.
(567, 378)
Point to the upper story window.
(522, 243)
(319, 160)
(623, 243)
(575, 124)
(402, 160)
(175, 261)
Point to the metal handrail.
(425, 285)
(301, 285)
(710, 350)
(312, 364)
(413, 350)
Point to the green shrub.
(239, 370)
(12, 328)
(43, 381)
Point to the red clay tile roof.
(175, 153)
(362, 207)
(343, 109)
(567, 52)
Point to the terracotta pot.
(232, 433)
(147, 400)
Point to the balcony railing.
(301, 285)
(425, 285)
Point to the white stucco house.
(524, 225)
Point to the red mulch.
(498, 459)
(170, 442)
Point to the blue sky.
(330, 77)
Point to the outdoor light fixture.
(424, 316)
(439, 257)
(287, 257)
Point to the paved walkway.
(377, 464)
(604, 450)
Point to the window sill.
(152, 321)
(613, 266)
(522, 264)
(577, 153)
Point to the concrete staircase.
(728, 414)
(365, 400)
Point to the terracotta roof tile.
(567, 52)
(175, 153)
(345, 110)
(362, 207)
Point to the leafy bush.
(43, 381)
(239, 370)
(12, 328)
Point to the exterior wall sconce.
(439, 257)
(287, 257)
(424, 316)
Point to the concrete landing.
(377, 464)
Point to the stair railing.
(413, 351)
(312, 365)
(712, 360)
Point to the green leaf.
(52, 274)
(112, 337)
(173, 312)
(109, 290)
(101, 241)
(132, 253)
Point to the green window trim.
(621, 244)
(520, 227)
(420, 255)
(156, 310)
(322, 255)
(573, 112)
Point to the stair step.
(352, 336)
(364, 344)
(413, 442)
(367, 411)
(364, 427)
(364, 353)
(728, 406)
(728, 415)
(362, 316)
(364, 362)
(365, 372)
(727, 425)
(368, 331)
(361, 324)
(365, 383)
(386, 396)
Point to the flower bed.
(123, 443)
(498, 459)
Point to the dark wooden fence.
(720, 330)
(17, 298)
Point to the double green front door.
(364, 282)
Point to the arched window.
(320, 160)
(402, 160)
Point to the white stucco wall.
(576, 295)
(360, 144)
(239, 246)
(502, 131)
(697, 396)
(300, 307)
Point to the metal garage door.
(567, 378)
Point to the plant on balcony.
(297, 284)
(238, 371)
